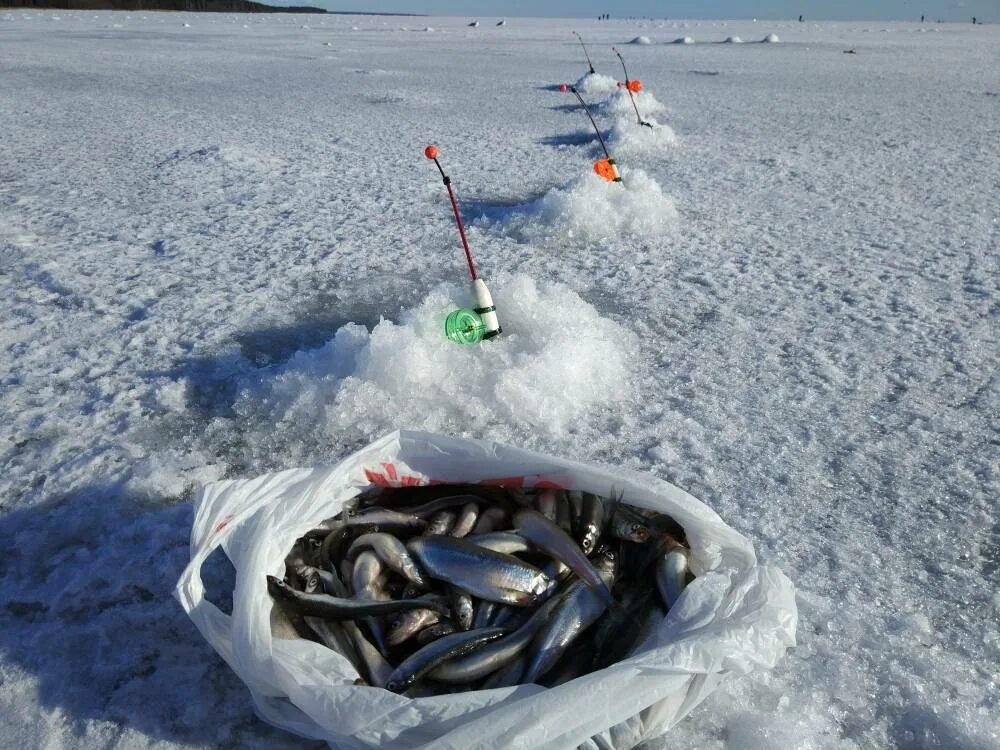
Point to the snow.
(773, 39)
(684, 40)
(641, 40)
(222, 252)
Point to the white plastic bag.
(735, 616)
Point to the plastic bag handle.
(212, 622)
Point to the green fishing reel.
(464, 326)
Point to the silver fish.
(466, 520)
(430, 656)
(506, 676)
(591, 522)
(441, 523)
(576, 610)
(335, 638)
(462, 609)
(545, 535)
(479, 571)
(365, 585)
(432, 507)
(377, 668)
(335, 608)
(489, 520)
(671, 575)
(495, 655)
(629, 526)
(407, 624)
(501, 541)
(433, 632)
(390, 551)
(545, 501)
(385, 520)
(484, 613)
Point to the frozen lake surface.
(222, 252)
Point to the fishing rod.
(606, 167)
(585, 53)
(630, 86)
(468, 326)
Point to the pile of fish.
(446, 588)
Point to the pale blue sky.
(906, 10)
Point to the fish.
(407, 624)
(507, 676)
(489, 520)
(377, 669)
(671, 575)
(493, 656)
(479, 571)
(545, 501)
(380, 519)
(629, 526)
(501, 541)
(365, 585)
(545, 535)
(335, 638)
(576, 609)
(446, 588)
(335, 608)
(435, 631)
(462, 609)
(564, 519)
(591, 522)
(430, 656)
(441, 523)
(391, 552)
(466, 520)
(484, 613)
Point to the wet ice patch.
(595, 83)
(591, 210)
(556, 364)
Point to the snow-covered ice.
(222, 252)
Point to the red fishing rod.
(592, 71)
(467, 326)
(630, 86)
(607, 167)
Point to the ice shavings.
(591, 210)
(628, 138)
(619, 104)
(557, 362)
(596, 83)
